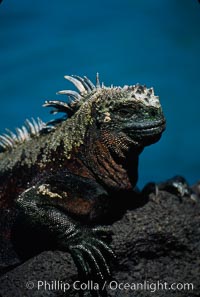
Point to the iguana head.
(133, 112)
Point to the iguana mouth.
(151, 129)
(146, 134)
(142, 128)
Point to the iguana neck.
(111, 159)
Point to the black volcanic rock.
(158, 243)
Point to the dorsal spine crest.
(30, 129)
(87, 93)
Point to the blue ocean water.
(153, 42)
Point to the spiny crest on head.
(86, 90)
(85, 87)
(140, 93)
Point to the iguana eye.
(124, 112)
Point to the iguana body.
(70, 172)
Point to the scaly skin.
(67, 179)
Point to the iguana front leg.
(87, 245)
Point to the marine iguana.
(67, 176)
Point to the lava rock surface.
(157, 245)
